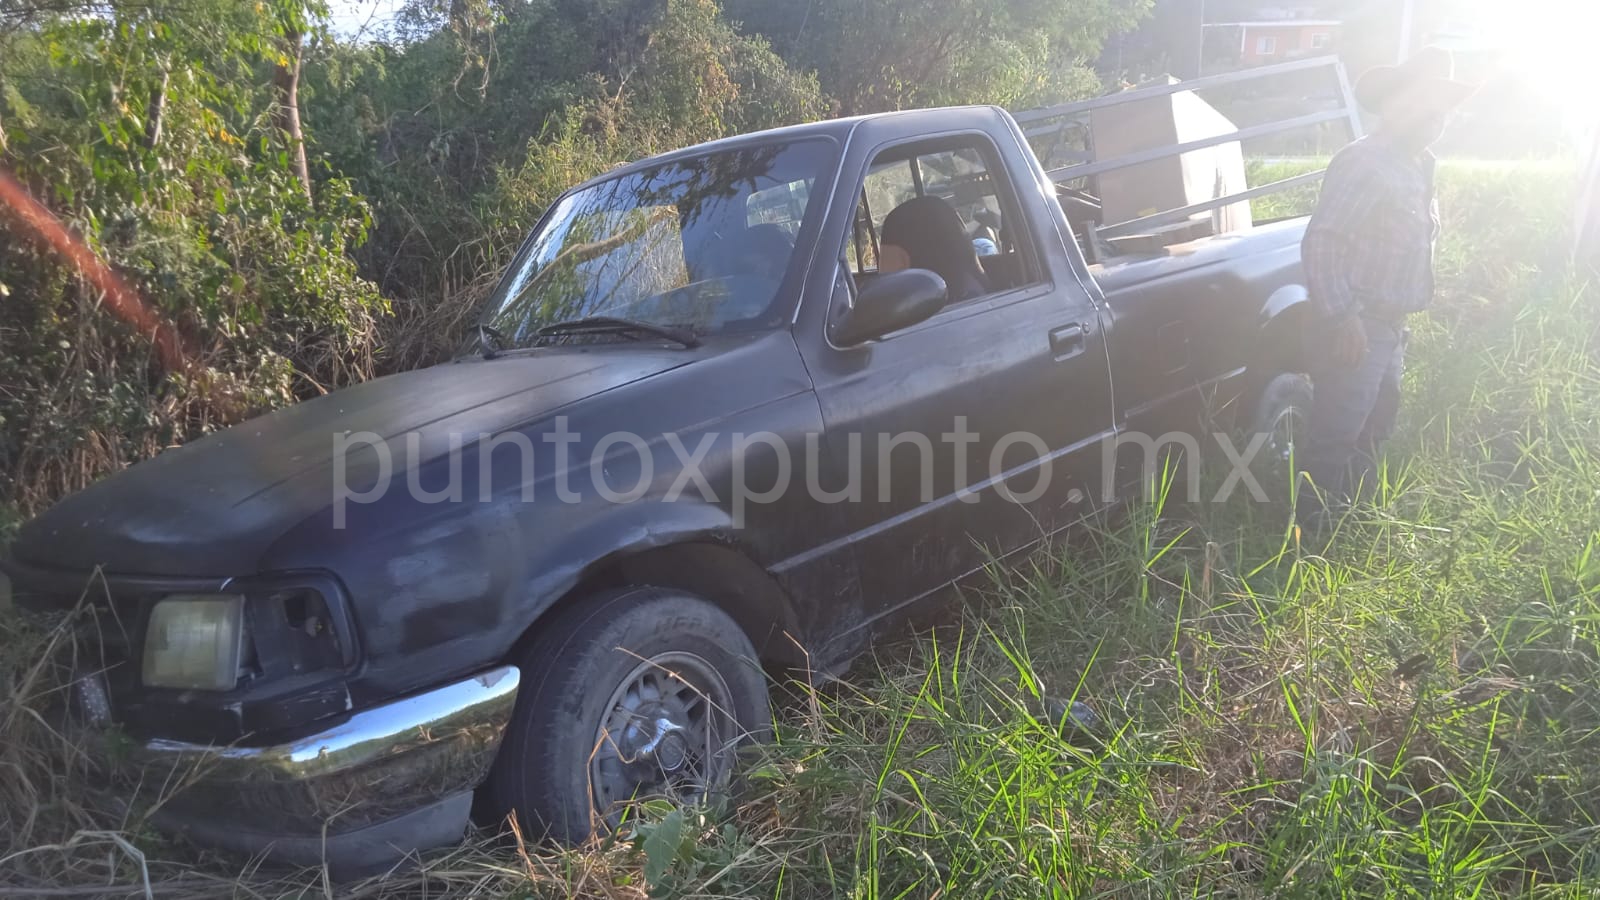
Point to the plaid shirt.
(1369, 247)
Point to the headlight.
(193, 641)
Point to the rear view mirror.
(890, 303)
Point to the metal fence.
(1063, 133)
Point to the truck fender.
(1283, 300)
(1279, 345)
(687, 545)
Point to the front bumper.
(358, 796)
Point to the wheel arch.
(1280, 345)
(708, 562)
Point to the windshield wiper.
(614, 325)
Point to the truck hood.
(213, 506)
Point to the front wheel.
(630, 694)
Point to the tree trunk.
(286, 115)
(154, 113)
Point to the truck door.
(977, 432)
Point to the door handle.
(1068, 340)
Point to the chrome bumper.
(381, 765)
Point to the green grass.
(1408, 707)
(1298, 201)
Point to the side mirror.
(891, 303)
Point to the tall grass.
(1408, 705)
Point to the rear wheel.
(629, 695)
(1281, 415)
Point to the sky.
(350, 17)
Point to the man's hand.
(1349, 341)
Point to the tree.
(873, 55)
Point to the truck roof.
(937, 119)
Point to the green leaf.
(661, 846)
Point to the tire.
(598, 682)
(1281, 413)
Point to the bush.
(171, 173)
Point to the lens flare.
(121, 300)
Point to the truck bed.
(1263, 248)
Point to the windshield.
(701, 244)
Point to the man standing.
(1368, 256)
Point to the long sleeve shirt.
(1369, 247)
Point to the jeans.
(1353, 410)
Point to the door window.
(984, 219)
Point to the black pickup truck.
(700, 435)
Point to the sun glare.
(1548, 43)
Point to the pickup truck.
(699, 436)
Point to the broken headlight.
(194, 641)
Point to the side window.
(965, 222)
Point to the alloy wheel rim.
(666, 732)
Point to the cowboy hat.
(1426, 81)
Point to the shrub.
(149, 137)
